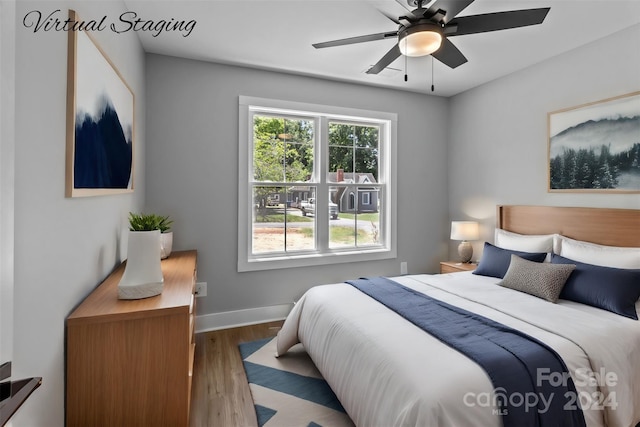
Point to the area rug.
(289, 391)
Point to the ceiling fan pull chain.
(406, 77)
(432, 87)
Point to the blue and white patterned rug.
(289, 391)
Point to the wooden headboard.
(605, 226)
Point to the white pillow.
(557, 243)
(605, 256)
(523, 242)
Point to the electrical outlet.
(403, 267)
(201, 289)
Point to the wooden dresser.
(129, 362)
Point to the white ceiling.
(277, 35)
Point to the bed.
(388, 372)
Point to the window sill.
(307, 260)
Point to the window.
(316, 184)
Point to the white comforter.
(388, 372)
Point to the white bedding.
(388, 372)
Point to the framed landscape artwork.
(596, 147)
(100, 121)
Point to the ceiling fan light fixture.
(420, 40)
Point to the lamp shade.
(464, 230)
(420, 40)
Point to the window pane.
(268, 225)
(277, 225)
(369, 216)
(282, 149)
(359, 217)
(299, 161)
(340, 151)
(353, 148)
(340, 161)
(367, 163)
(301, 221)
(342, 232)
(341, 134)
(366, 136)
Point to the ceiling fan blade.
(387, 59)
(391, 17)
(498, 21)
(358, 39)
(404, 4)
(451, 7)
(449, 54)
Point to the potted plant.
(144, 222)
(147, 222)
(142, 277)
(166, 236)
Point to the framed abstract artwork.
(100, 121)
(595, 147)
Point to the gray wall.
(192, 170)
(498, 131)
(7, 170)
(63, 247)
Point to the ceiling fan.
(426, 31)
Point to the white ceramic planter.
(166, 243)
(142, 276)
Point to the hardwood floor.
(220, 395)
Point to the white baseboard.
(233, 319)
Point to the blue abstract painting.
(100, 148)
(103, 155)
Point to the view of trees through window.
(284, 184)
(283, 149)
(353, 148)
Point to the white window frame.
(321, 256)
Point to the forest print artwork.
(596, 147)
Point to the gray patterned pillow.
(542, 280)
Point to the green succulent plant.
(149, 222)
(164, 223)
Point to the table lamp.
(465, 231)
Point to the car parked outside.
(308, 207)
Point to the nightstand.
(455, 266)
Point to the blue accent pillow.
(495, 261)
(613, 289)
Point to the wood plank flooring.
(220, 395)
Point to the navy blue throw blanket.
(524, 371)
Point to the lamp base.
(465, 250)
